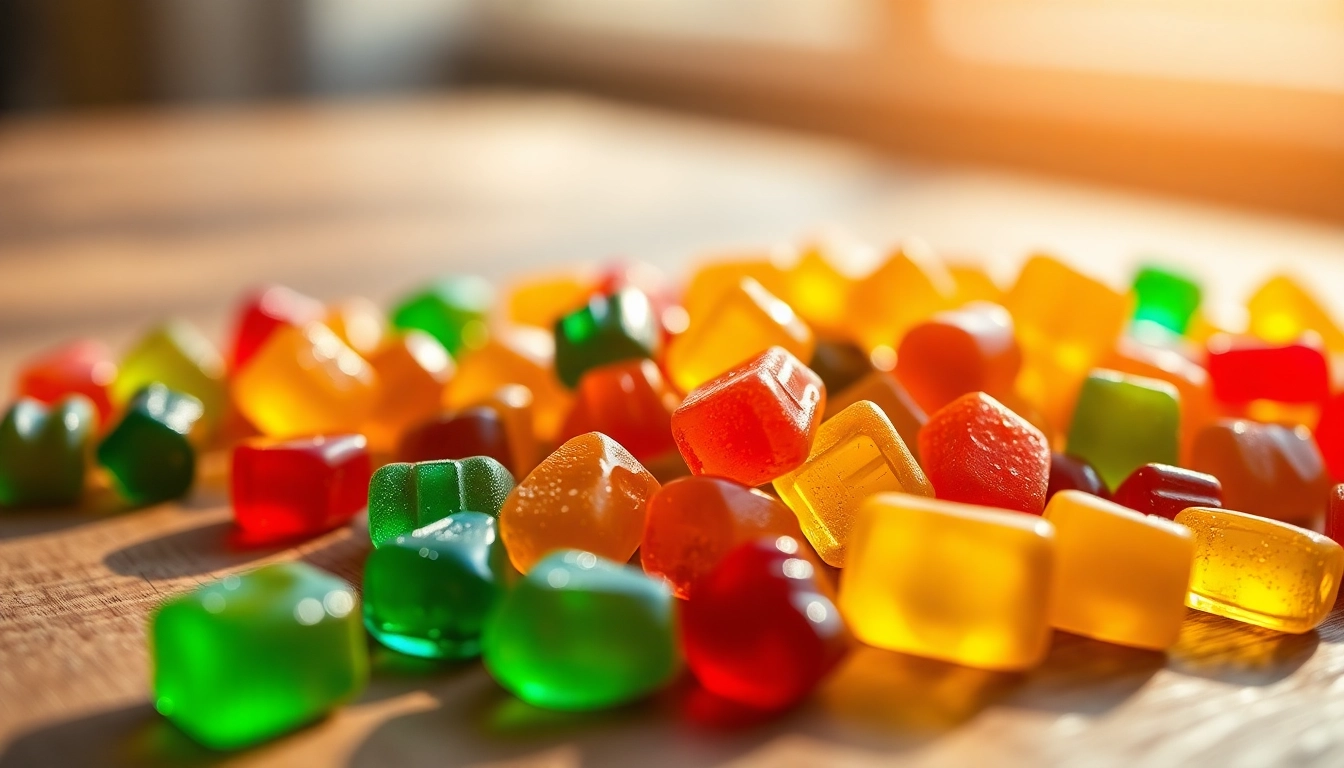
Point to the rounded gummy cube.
(149, 452)
(1133, 357)
(692, 522)
(744, 321)
(42, 451)
(712, 279)
(478, 431)
(262, 311)
(1270, 470)
(1281, 310)
(629, 402)
(412, 371)
(1071, 473)
(971, 349)
(516, 356)
(428, 593)
(281, 489)
(965, 584)
(856, 454)
(1165, 296)
(84, 367)
(883, 390)
(579, 632)
(404, 497)
(1261, 571)
(1123, 422)
(249, 657)
(1120, 576)
(589, 494)
(1243, 370)
(177, 355)
(817, 290)
(453, 310)
(977, 451)
(1164, 490)
(753, 423)
(761, 628)
(621, 326)
(306, 381)
(907, 288)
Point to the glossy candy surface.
(515, 357)
(628, 401)
(692, 522)
(1261, 571)
(541, 300)
(149, 452)
(247, 658)
(475, 431)
(817, 290)
(180, 357)
(713, 279)
(883, 390)
(910, 286)
(580, 632)
(513, 404)
(965, 584)
(971, 349)
(428, 593)
(264, 310)
(42, 451)
(299, 487)
(1334, 514)
(840, 364)
(1068, 473)
(1164, 490)
(607, 329)
(1269, 470)
(453, 310)
(745, 321)
(761, 628)
(976, 451)
(84, 367)
(753, 423)
(306, 381)
(363, 327)
(1165, 297)
(1123, 422)
(1245, 370)
(1191, 380)
(412, 371)
(404, 497)
(857, 453)
(589, 494)
(1120, 576)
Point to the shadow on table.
(131, 736)
(98, 504)
(1239, 654)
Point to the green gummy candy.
(249, 657)
(428, 593)
(403, 497)
(607, 329)
(580, 632)
(1123, 422)
(453, 310)
(1165, 297)
(148, 452)
(42, 451)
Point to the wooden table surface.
(108, 223)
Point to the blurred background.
(1237, 101)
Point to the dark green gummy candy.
(607, 329)
(148, 453)
(404, 497)
(42, 451)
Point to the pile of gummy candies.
(974, 467)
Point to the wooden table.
(108, 223)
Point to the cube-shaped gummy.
(744, 321)
(403, 497)
(1261, 571)
(607, 329)
(180, 357)
(1123, 422)
(304, 486)
(429, 592)
(42, 451)
(452, 310)
(753, 423)
(856, 454)
(580, 632)
(884, 391)
(1120, 576)
(1165, 297)
(249, 657)
(149, 453)
(965, 584)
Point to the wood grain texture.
(108, 223)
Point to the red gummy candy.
(84, 367)
(285, 489)
(265, 310)
(1242, 370)
(977, 451)
(477, 431)
(630, 402)
(1069, 473)
(1164, 490)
